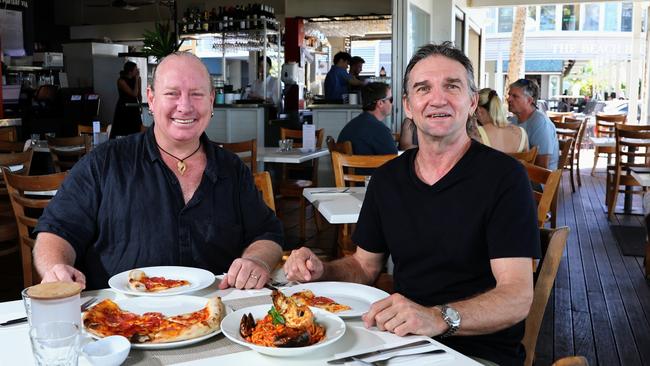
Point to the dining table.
(337, 205)
(219, 350)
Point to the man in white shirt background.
(257, 88)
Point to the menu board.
(11, 31)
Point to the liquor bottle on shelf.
(212, 24)
(190, 21)
(205, 23)
(197, 20)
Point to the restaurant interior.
(60, 62)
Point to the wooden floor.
(600, 307)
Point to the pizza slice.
(107, 319)
(307, 297)
(139, 281)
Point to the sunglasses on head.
(390, 99)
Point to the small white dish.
(109, 351)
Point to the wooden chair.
(605, 128)
(343, 177)
(572, 128)
(292, 188)
(551, 181)
(527, 156)
(264, 185)
(11, 147)
(563, 160)
(9, 243)
(632, 150)
(27, 211)
(8, 134)
(243, 147)
(553, 242)
(344, 147)
(66, 151)
(88, 130)
(571, 361)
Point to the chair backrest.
(527, 156)
(88, 130)
(342, 161)
(20, 158)
(570, 123)
(243, 147)
(571, 361)
(296, 135)
(66, 151)
(566, 144)
(556, 118)
(28, 209)
(551, 181)
(344, 147)
(264, 185)
(11, 147)
(605, 124)
(8, 134)
(632, 146)
(552, 242)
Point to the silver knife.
(343, 360)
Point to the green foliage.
(160, 42)
(276, 316)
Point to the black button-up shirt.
(121, 208)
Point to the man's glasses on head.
(390, 99)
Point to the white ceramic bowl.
(109, 351)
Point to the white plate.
(168, 306)
(334, 329)
(357, 296)
(199, 279)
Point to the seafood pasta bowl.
(232, 325)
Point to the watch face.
(452, 315)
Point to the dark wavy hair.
(445, 49)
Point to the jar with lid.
(219, 88)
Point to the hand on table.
(245, 274)
(64, 273)
(399, 315)
(303, 266)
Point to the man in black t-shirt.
(458, 219)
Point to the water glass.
(48, 302)
(284, 144)
(55, 343)
(35, 137)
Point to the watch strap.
(452, 326)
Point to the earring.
(212, 114)
(150, 112)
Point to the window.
(570, 17)
(491, 21)
(612, 16)
(531, 19)
(547, 17)
(626, 17)
(592, 17)
(375, 53)
(505, 19)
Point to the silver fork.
(84, 306)
(384, 361)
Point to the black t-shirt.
(121, 208)
(442, 237)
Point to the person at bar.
(127, 119)
(257, 89)
(356, 66)
(458, 219)
(522, 102)
(337, 80)
(168, 196)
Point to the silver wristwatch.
(452, 317)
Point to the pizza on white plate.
(107, 319)
(139, 281)
(307, 297)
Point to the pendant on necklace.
(181, 166)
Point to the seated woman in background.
(408, 137)
(494, 129)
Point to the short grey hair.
(181, 54)
(529, 87)
(446, 49)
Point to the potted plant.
(160, 42)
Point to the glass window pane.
(570, 17)
(547, 17)
(592, 17)
(491, 20)
(505, 19)
(626, 17)
(611, 17)
(531, 19)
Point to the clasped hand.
(399, 315)
(245, 274)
